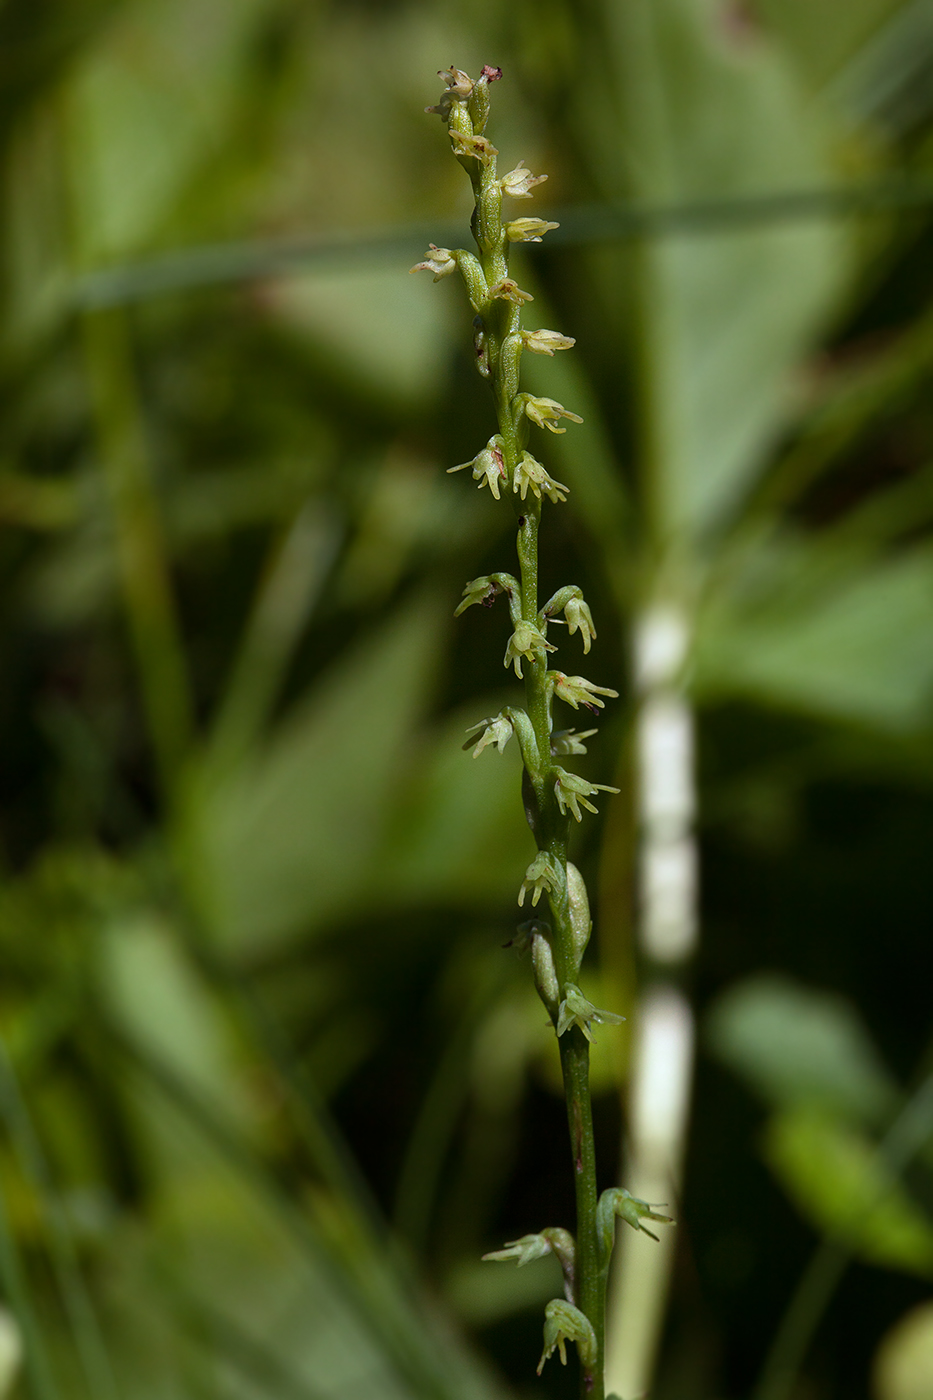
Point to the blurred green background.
(269, 1084)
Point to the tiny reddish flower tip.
(492, 75)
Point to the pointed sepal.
(565, 1323)
(553, 1240)
(575, 1010)
(617, 1202)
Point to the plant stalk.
(551, 826)
(551, 793)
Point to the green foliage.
(831, 1172)
(253, 892)
(801, 1049)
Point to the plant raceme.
(552, 794)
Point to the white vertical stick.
(663, 1044)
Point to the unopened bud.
(581, 925)
(542, 962)
(528, 230)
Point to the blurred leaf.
(154, 995)
(258, 1285)
(835, 633)
(853, 399)
(722, 316)
(286, 844)
(800, 1048)
(148, 108)
(288, 590)
(389, 335)
(903, 1365)
(885, 80)
(461, 835)
(835, 1177)
(824, 48)
(299, 1271)
(484, 1293)
(11, 1352)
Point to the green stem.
(590, 1278)
(502, 321)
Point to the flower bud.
(479, 98)
(581, 925)
(528, 230)
(545, 974)
(546, 342)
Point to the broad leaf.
(723, 313)
(836, 1178)
(839, 634)
(797, 1046)
(285, 845)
